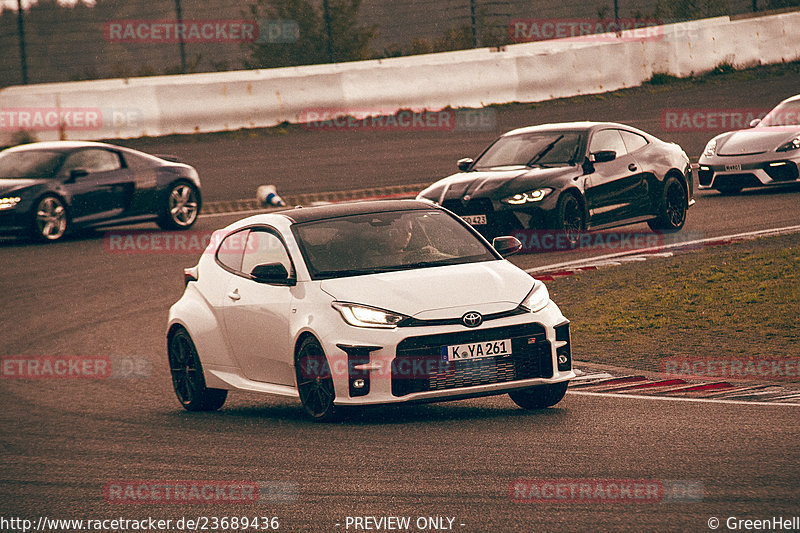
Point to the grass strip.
(740, 300)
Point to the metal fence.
(48, 41)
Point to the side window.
(607, 140)
(633, 141)
(264, 247)
(93, 160)
(231, 250)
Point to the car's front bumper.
(14, 221)
(371, 366)
(501, 218)
(737, 172)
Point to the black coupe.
(48, 188)
(570, 177)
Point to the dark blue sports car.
(50, 188)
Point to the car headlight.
(711, 148)
(794, 144)
(527, 197)
(9, 202)
(537, 299)
(364, 316)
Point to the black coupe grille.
(419, 365)
(736, 180)
(785, 172)
(476, 206)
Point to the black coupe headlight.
(522, 198)
(794, 144)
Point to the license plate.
(737, 166)
(476, 350)
(475, 220)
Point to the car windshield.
(538, 149)
(384, 242)
(29, 164)
(785, 114)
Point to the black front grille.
(498, 223)
(786, 172)
(704, 177)
(736, 180)
(476, 206)
(419, 365)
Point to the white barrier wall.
(529, 72)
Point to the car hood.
(755, 140)
(498, 183)
(438, 292)
(9, 186)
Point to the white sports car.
(364, 303)
(766, 154)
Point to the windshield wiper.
(544, 151)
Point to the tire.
(315, 382)
(180, 206)
(187, 375)
(569, 217)
(673, 208)
(541, 396)
(49, 219)
(729, 191)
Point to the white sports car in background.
(766, 154)
(364, 303)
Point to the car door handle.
(632, 167)
(234, 295)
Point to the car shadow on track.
(234, 417)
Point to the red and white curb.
(680, 388)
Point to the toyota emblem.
(472, 319)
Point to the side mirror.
(755, 122)
(464, 164)
(272, 273)
(603, 156)
(76, 173)
(506, 246)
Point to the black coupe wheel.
(187, 376)
(50, 219)
(672, 212)
(181, 207)
(540, 397)
(315, 382)
(569, 217)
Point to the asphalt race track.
(64, 441)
